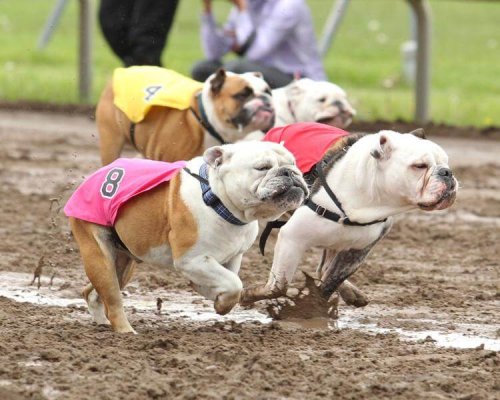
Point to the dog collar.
(333, 216)
(211, 199)
(203, 120)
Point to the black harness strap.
(203, 120)
(196, 176)
(267, 231)
(132, 134)
(333, 216)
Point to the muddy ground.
(434, 272)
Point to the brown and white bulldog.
(227, 108)
(200, 222)
(362, 181)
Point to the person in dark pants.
(274, 37)
(137, 30)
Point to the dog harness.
(204, 122)
(99, 198)
(307, 141)
(310, 150)
(210, 198)
(137, 89)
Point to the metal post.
(85, 50)
(51, 24)
(331, 26)
(422, 13)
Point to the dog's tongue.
(263, 114)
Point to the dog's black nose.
(446, 172)
(338, 104)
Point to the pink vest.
(307, 141)
(99, 198)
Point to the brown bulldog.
(196, 116)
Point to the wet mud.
(433, 273)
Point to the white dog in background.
(305, 100)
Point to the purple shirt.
(284, 38)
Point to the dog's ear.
(213, 156)
(383, 151)
(218, 81)
(294, 90)
(419, 132)
(258, 74)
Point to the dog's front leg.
(290, 247)
(214, 281)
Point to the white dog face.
(415, 170)
(319, 101)
(237, 104)
(258, 178)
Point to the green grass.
(364, 60)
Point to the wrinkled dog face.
(416, 170)
(259, 178)
(319, 101)
(242, 103)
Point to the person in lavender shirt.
(275, 37)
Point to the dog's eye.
(420, 166)
(263, 167)
(244, 94)
(268, 91)
(322, 99)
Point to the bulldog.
(359, 185)
(305, 100)
(169, 117)
(199, 217)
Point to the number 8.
(112, 182)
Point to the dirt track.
(436, 272)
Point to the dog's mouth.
(445, 201)
(284, 188)
(263, 116)
(340, 120)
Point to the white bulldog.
(200, 221)
(366, 180)
(305, 100)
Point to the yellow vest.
(137, 89)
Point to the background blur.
(365, 58)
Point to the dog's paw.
(352, 296)
(96, 308)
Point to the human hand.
(240, 4)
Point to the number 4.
(151, 91)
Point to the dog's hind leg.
(349, 292)
(95, 305)
(340, 266)
(125, 267)
(352, 295)
(99, 255)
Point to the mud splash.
(182, 305)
